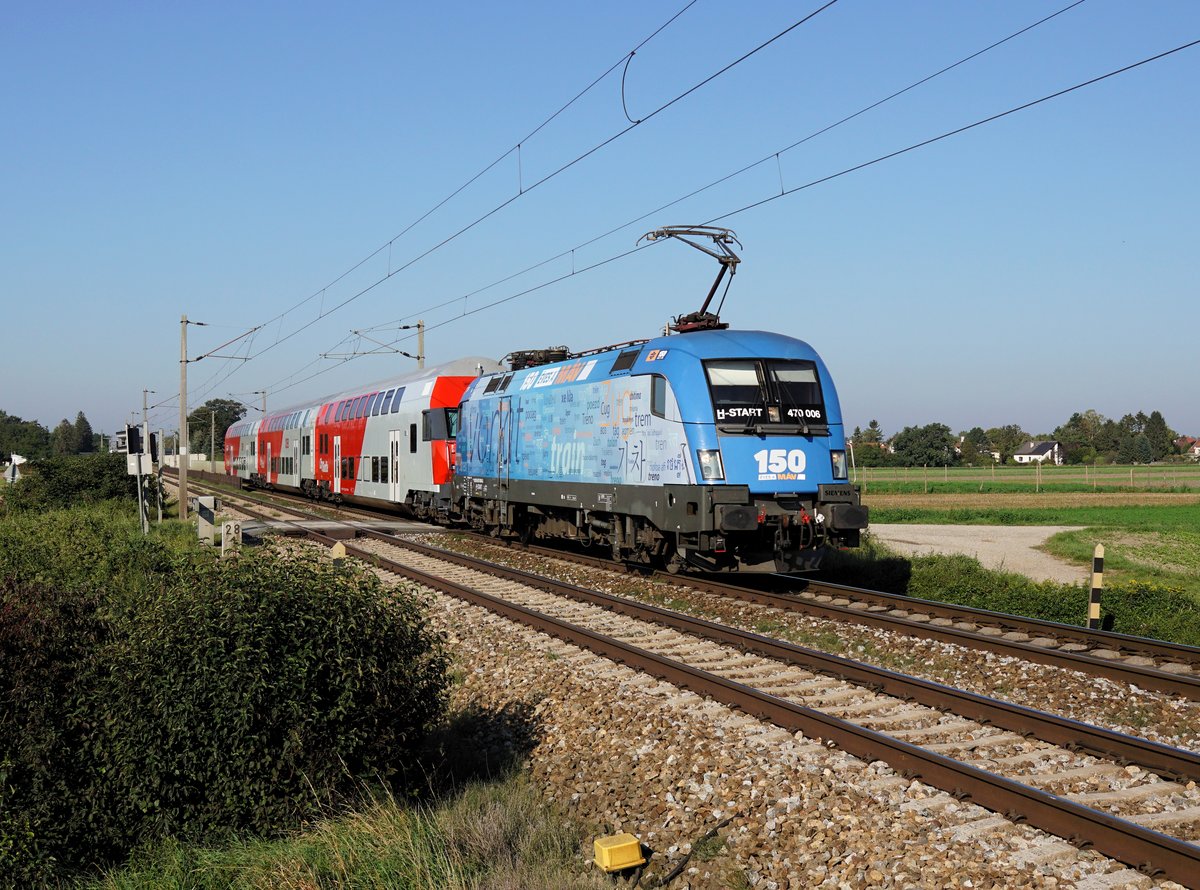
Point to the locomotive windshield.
(776, 394)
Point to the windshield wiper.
(761, 404)
(786, 404)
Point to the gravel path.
(1009, 548)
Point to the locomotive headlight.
(711, 467)
(838, 459)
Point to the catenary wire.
(734, 174)
(844, 172)
(568, 165)
(486, 169)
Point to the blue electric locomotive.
(715, 449)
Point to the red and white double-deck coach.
(390, 441)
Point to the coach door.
(295, 467)
(337, 464)
(504, 445)
(394, 439)
(269, 464)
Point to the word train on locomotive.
(711, 449)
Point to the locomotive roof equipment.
(722, 253)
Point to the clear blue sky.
(229, 160)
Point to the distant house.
(1184, 444)
(1194, 451)
(1039, 452)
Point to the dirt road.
(1005, 548)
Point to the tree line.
(31, 440)
(1088, 437)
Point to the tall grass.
(499, 836)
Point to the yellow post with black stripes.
(1097, 587)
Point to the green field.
(1150, 537)
(1181, 477)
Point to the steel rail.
(1160, 649)
(1157, 648)
(1047, 727)
(1126, 841)
(1145, 677)
(1150, 678)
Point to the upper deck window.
(387, 401)
(769, 392)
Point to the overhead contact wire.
(956, 132)
(729, 176)
(486, 169)
(857, 167)
(544, 180)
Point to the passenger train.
(714, 449)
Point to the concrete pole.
(181, 447)
(420, 344)
(212, 438)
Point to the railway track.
(1014, 761)
(1149, 664)
(1023, 763)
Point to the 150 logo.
(781, 463)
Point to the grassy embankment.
(1151, 540)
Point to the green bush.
(55, 483)
(259, 688)
(147, 691)
(48, 640)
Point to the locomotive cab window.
(439, 424)
(658, 396)
(766, 396)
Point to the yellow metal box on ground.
(619, 851)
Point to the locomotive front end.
(774, 455)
